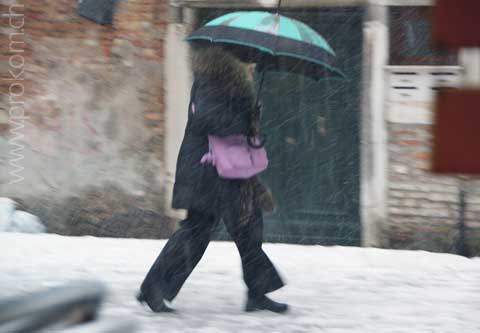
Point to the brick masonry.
(92, 102)
(423, 208)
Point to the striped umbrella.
(275, 41)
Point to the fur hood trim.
(221, 66)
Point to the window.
(410, 44)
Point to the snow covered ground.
(330, 289)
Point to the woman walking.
(222, 104)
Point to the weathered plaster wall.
(82, 135)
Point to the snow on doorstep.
(330, 289)
(12, 220)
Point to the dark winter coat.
(224, 104)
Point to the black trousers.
(187, 245)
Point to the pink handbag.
(234, 157)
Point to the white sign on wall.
(412, 91)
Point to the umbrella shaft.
(262, 78)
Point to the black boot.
(256, 303)
(157, 306)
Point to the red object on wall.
(456, 23)
(456, 144)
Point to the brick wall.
(423, 208)
(85, 119)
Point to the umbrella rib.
(319, 62)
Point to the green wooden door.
(313, 140)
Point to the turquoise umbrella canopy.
(278, 41)
(274, 24)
